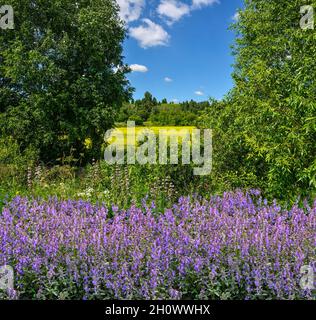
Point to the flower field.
(128, 138)
(235, 246)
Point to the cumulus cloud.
(138, 68)
(173, 10)
(167, 79)
(199, 93)
(131, 10)
(150, 34)
(197, 4)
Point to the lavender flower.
(234, 246)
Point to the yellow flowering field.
(129, 136)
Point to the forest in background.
(57, 98)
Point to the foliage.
(157, 113)
(120, 185)
(274, 96)
(58, 84)
(264, 131)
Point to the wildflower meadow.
(234, 246)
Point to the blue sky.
(180, 50)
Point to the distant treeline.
(151, 111)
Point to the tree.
(144, 107)
(62, 76)
(274, 97)
(164, 101)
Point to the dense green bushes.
(274, 95)
(265, 130)
(62, 76)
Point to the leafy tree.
(62, 76)
(268, 124)
(164, 101)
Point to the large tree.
(265, 129)
(62, 75)
(275, 94)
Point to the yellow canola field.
(128, 135)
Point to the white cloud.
(167, 79)
(236, 16)
(138, 68)
(197, 4)
(131, 10)
(175, 100)
(199, 93)
(173, 10)
(150, 34)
